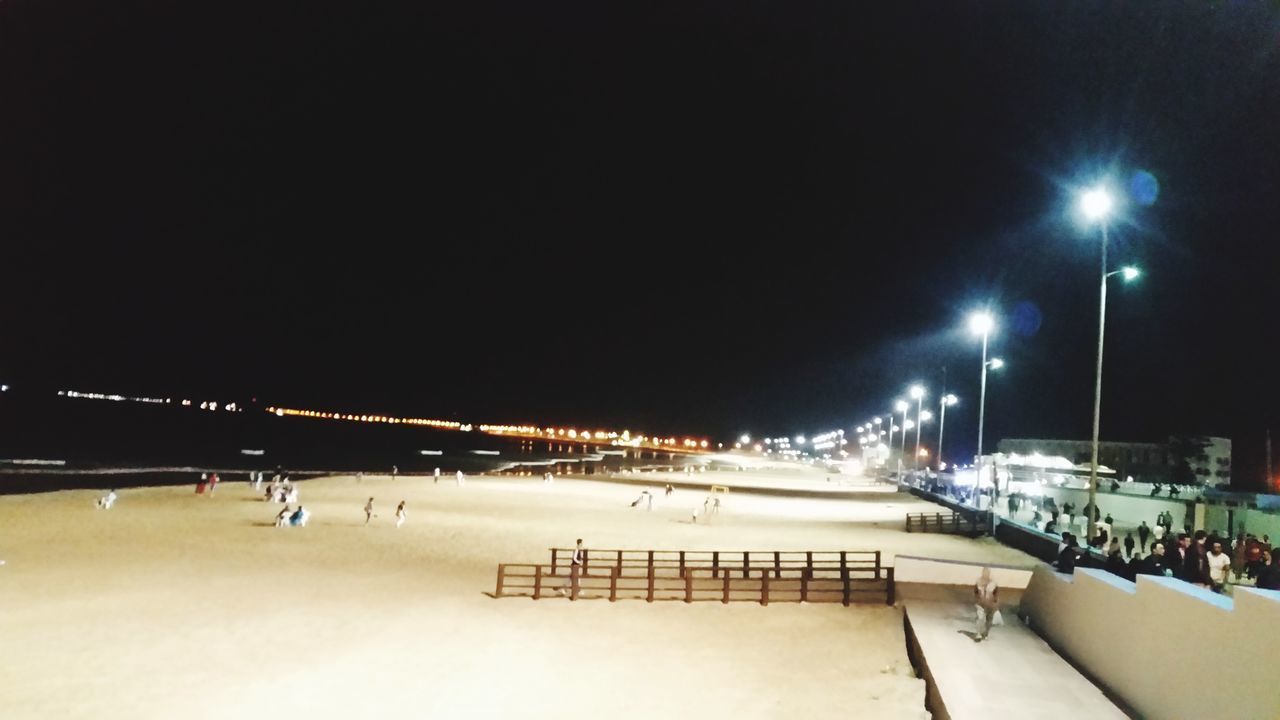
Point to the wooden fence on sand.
(843, 576)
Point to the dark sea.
(54, 443)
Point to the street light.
(982, 324)
(1096, 204)
(943, 403)
(902, 407)
(917, 393)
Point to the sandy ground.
(173, 604)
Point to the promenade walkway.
(1012, 674)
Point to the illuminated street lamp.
(944, 402)
(917, 393)
(982, 324)
(1096, 204)
(902, 407)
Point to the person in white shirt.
(106, 501)
(1219, 564)
(400, 514)
(368, 511)
(460, 478)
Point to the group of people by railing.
(1209, 560)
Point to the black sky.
(681, 217)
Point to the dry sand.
(178, 605)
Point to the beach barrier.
(763, 576)
(949, 522)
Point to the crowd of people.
(1208, 560)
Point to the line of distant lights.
(113, 398)
(624, 438)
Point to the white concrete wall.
(1166, 648)
(911, 569)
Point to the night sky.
(681, 217)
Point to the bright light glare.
(1095, 203)
(744, 439)
(981, 323)
(950, 400)
(925, 416)
(910, 424)
(996, 363)
(1130, 273)
(917, 392)
(900, 406)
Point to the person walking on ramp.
(986, 597)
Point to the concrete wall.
(1164, 647)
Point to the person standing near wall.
(1144, 532)
(1197, 561)
(1219, 564)
(986, 598)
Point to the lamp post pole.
(982, 409)
(1091, 509)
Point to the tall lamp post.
(1096, 205)
(982, 324)
(917, 394)
(900, 406)
(945, 402)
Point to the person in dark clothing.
(1176, 556)
(1156, 563)
(1269, 575)
(1144, 532)
(1128, 544)
(1115, 563)
(1197, 561)
(1067, 558)
(1109, 521)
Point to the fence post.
(764, 589)
(892, 592)
(613, 584)
(502, 570)
(746, 563)
(537, 582)
(804, 584)
(725, 599)
(681, 563)
(688, 585)
(777, 564)
(586, 558)
(554, 554)
(844, 566)
(715, 563)
(844, 586)
(619, 558)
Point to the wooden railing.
(757, 576)
(950, 522)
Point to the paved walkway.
(1012, 674)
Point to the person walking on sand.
(460, 478)
(282, 517)
(400, 514)
(575, 571)
(437, 475)
(213, 483)
(368, 511)
(204, 481)
(395, 471)
(986, 598)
